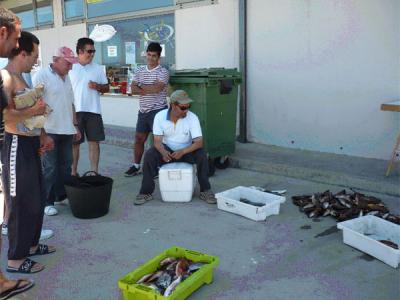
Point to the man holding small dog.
(22, 172)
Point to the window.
(33, 14)
(87, 9)
(97, 8)
(73, 9)
(24, 10)
(127, 48)
(44, 12)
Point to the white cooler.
(177, 182)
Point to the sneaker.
(208, 196)
(46, 234)
(133, 171)
(4, 229)
(142, 199)
(50, 210)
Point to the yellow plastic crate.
(133, 291)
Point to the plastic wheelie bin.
(215, 95)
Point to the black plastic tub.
(89, 196)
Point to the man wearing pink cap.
(60, 125)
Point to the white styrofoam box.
(177, 182)
(364, 234)
(230, 201)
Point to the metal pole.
(35, 17)
(243, 68)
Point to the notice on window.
(163, 50)
(130, 53)
(112, 51)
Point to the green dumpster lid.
(211, 72)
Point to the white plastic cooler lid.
(175, 166)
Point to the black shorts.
(145, 120)
(91, 125)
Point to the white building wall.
(208, 36)
(53, 38)
(319, 71)
(120, 110)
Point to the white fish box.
(177, 182)
(230, 201)
(364, 234)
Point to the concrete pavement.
(287, 256)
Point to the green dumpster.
(215, 94)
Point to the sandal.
(16, 289)
(27, 267)
(142, 199)
(42, 250)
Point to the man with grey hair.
(10, 27)
(61, 125)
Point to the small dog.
(28, 98)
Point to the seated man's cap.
(67, 54)
(180, 97)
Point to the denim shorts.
(145, 120)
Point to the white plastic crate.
(230, 201)
(177, 182)
(364, 234)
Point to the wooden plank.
(391, 106)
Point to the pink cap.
(67, 54)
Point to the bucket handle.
(90, 173)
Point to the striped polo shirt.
(144, 76)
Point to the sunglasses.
(183, 108)
(91, 51)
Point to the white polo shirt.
(59, 96)
(180, 135)
(86, 99)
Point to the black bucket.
(89, 196)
